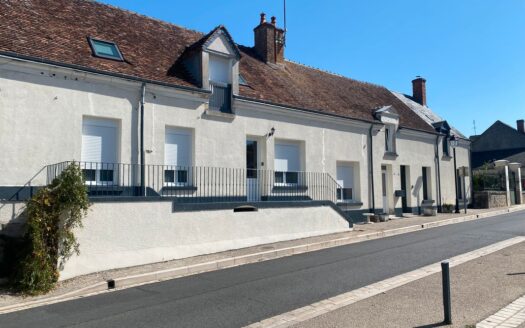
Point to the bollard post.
(447, 308)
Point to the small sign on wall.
(463, 171)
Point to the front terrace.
(196, 187)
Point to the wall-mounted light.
(271, 133)
(454, 141)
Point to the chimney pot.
(263, 18)
(419, 90)
(269, 41)
(521, 125)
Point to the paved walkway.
(251, 254)
(513, 315)
(328, 305)
(479, 289)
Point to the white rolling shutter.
(287, 157)
(345, 176)
(219, 69)
(177, 147)
(99, 141)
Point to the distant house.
(499, 142)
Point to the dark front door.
(251, 159)
(252, 181)
(404, 188)
(425, 183)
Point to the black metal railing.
(221, 98)
(197, 184)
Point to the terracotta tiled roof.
(57, 30)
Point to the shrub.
(52, 214)
(447, 208)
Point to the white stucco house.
(191, 143)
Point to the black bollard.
(447, 308)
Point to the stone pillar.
(516, 168)
(507, 186)
(520, 187)
(504, 164)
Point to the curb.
(168, 274)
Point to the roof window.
(242, 80)
(105, 49)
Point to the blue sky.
(472, 52)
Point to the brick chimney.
(521, 125)
(269, 41)
(419, 90)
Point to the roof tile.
(57, 30)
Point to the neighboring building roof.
(426, 113)
(499, 136)
(57, 31)
(499, 141)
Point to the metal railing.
(221, 98)
(198, 184)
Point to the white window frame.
(284, 173)
(342, 185)
(222, 60)
(390, 138)
(98, 167)
(176, 168)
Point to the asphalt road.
(242, 295)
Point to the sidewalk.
(479, 289)
(128, 277)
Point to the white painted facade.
(44, 107)
(46, 112)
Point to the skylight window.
(105, 49)
(242, 80)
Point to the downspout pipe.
(142, 151)
(438, 174)
(371, 167)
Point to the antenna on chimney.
(475, 132)
(284, 36)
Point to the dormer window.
(446, 146)
(105, 49)
(390, 118)
(444, 129)
(390, 141)
(220, 69)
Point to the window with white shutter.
(99, 155)
(177, 156)
(345, 181)
(220, 70)
(287, 163)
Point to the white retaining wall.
(123, 234)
